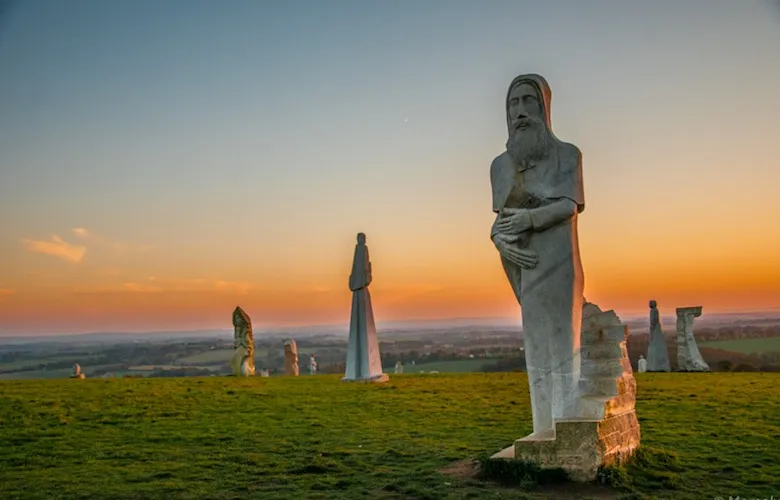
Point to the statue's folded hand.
(517, 220)
(526, 259)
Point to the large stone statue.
(243, 360)
(537, 195)
(657, 354)
(580, 378)
(363, 359)
(291, 358)
(688, 356)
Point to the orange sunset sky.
(161, 164)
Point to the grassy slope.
(747, 346)
(317, 438)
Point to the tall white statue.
(537, 196)
(243, 360)
(657, 354)
(641, 364)
(689, 358)
(363, 359)
(580, 378)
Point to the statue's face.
(652, 304)
(529, 138)
(361, 239)
(524, 103)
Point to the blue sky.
(230, 136)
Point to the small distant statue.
(399, 367)
(657, 355)
(689, 358)
(291, 358)
(363, 359)
(312, 365)
(642, 364)
(77, 372)
(243, 361)
(264, 373)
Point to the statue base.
(605, 430)
(375, 379)
(580, 447)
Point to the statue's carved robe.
(549, 294)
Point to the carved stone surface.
(243, 360)
(605, 429)
(77, 372)
(363, 359)
(657, 354)
(537, 196)
(641, 364)
(291, 358)
(688, 356)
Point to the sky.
(163, 162)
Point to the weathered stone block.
(580, 447)
(609, 334)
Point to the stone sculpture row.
(689, 358)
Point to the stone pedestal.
(581, 446)
(605, 429)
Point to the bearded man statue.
(537, 196)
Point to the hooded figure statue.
(537, 196)
(363, 358)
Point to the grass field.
(453, 366)
(747, 346)
(316, 438)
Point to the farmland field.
(317, 438)
(747, 346)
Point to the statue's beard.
(529, 144)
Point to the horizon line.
(380, 325)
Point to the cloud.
(118, 247)
(140, 288)
(198, 285)
(5, 292)
(57, 247)
(204, 285)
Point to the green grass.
(708, 435)
(747, 346)
(453, 366)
